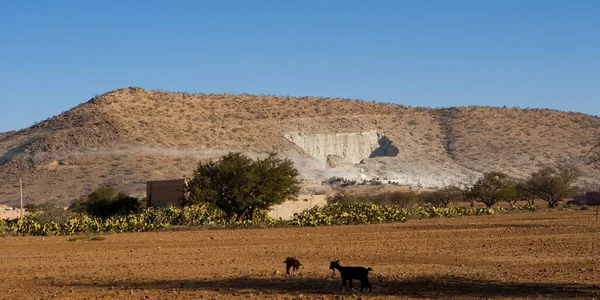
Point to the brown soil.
(548, 255)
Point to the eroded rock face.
(352, 147)
(386, 148)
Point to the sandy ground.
(543, 255)
(10, 214)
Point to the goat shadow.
(447, 286)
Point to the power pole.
(21, 188)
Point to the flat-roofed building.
(162, 193)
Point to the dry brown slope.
(128, 136)
(131, 135)
(519, 141)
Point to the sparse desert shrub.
(553, 184)
(105, 202)
(443, 197)
(49, 212)
(375, 182)
(523, 192)
(492, 188)
(32, 208)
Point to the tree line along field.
(238, 191)
(543, 255)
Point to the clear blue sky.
(57, 54)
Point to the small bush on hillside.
(375, 182)
(340, 181)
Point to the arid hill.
(128, 136)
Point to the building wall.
(163, 193)
(10, 214)
(7, 212)
(286, 210)
(592, 198)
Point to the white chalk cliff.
(352, 147)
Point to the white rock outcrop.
(352, 147)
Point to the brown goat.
(291, 263)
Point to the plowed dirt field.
(542, 255)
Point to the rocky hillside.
(128, 136)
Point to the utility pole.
(21, 189)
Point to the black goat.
(292, 263)
(349, 273)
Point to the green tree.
(523, 192)
(240, 186)
(104, 202)
(102, 193)
(124, 204)
(78, 206)
(492, 188)
(99, 202)
(553, 184)
(444, 196)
